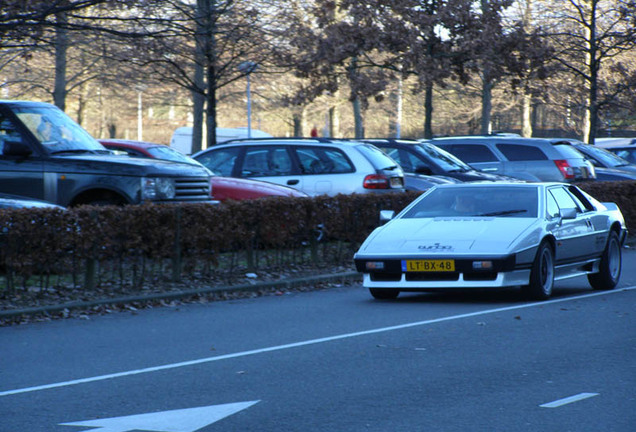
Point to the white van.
(182, 137)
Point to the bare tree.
(589, 35)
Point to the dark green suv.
(46, 155)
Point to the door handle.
(293, 182)
(489, 169)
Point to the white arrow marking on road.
(183, 420)
(568, 400)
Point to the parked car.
(46, 155)
(626, 152)
(421, 158)
(532, 159)
(8, 201)
(608, 166)
(223, 188)
(492, 235)
(315, 166)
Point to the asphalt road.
(334, 360)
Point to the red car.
(223, 188)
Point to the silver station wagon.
(531, 159)
(315, 166)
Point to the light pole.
(140, 89)
(246, 68)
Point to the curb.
(283, 284)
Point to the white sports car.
(478, 235)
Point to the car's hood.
(126, 165)
(615, 173)
(453, 235)
(237, 188)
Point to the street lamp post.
(140, 89)
(247, 67)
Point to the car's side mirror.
(16, 148)
(386, 215)
(568, 213)
(421, 169)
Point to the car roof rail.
(313, 140)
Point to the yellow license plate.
(428, 265)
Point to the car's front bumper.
(407, 283)
(505, 271)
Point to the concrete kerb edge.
(282, 284)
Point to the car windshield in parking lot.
(607, 158)
(444, 159)
(482, 201)
(56, 131)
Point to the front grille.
(481, 276)
(386, 277)
(431, 276)
(192, 189)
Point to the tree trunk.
(61, 46)
(526, 115)
(198, 93)
(210, 12)
(486, 104)
(428, 110)
(298, 121)
(591, 115)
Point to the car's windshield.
(606, 157)
(56, 131)
(481, 201)
(445, 160)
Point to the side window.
(220, 162)
(551, 206)
(473, 153)
(265, 161)
(565, 200)
(8, 133)
(516, 152)
(327, 160)
(580, 199)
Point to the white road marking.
(302, 343)
(183, 420)
(568, 400)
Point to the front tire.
(542, 274)
(610, 267)
(384, 293)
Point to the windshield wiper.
(504, 212)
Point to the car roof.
(504, 183)
(129, 143)
(291, 140)
(506, 138)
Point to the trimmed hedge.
(94, 246)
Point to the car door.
(327, 170)
(575, 236)
(272, 163)
(19, 175)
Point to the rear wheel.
(384, 293)
(610, 267)
(542, 274)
